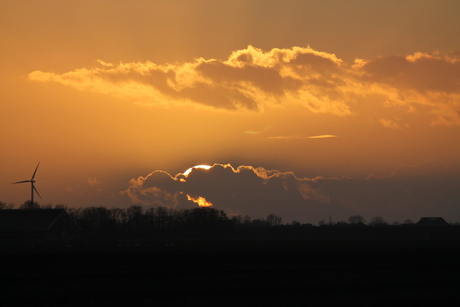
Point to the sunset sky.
(305, 109)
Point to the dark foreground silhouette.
(232, 272)
(202, 258)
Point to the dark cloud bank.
(410, 192)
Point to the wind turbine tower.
(32, 181)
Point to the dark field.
(238, 272)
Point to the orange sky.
(308, 109)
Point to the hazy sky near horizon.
(305, 109)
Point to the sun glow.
(201, 201)
(187, 172)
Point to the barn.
(41, 224)
(432, 222)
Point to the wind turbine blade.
(21, 181)
(35, 189)
(35, 171)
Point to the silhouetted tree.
(96, 221)
(378, 221)
(4, 205)
(273, 220)
(30, 205)
(119, 215)
(206, 218)
(136, 220)
(166, 218)
(259, 223)
(237, 220)
(247, 219)
(356, 219)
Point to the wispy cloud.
(93, 181)
(322, 136)
(258, 131)
(393, 124)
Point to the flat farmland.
(232, 272)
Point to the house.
(432, 222)
(41, 224)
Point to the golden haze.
(346, 109)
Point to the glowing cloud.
(249, 79)
(201, 201)
(322, 136)
(202, 166)
(252, 79)
(258, 192)
(253, 132)
(243, 189)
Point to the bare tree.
(4, 205)
(273, 220)
(30, 205)
(378, 221)
(356, 219)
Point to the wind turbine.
(32, 181)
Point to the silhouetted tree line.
(136, 221)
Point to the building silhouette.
(432, 222)
(41, 224)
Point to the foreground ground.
(232, 273)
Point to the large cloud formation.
(410, 192)
(252, 79)
(242, 190)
